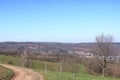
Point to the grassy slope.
(54, 75)
(5, 74)
(5, 59)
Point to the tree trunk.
(103, 72)
(104, 67)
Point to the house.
(114, 58)
(84, 54)
(89, 55)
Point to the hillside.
(53, 74)
(50, 47)
(5, 73)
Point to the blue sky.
(58, 20)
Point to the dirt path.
(24, 74)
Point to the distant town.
(80, 49)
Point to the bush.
(10, 62)
(113, 71)
(93, 65)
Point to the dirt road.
(24, 74)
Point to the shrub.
(93, 65)
(10, 62)
(113, 71)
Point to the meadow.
(52, 72)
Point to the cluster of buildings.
(82, 54)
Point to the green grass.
(53, 70)
(82, 75)
(54, 74)
(6, 59)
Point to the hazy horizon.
(66, 21)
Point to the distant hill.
(49, 47)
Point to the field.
(82, 75)
(52, 71)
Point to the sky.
(58, 20)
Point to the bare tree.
(103, 50)
(30, 59)
(23, 58)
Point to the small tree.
(23, 58)
(30, 59)
(103, 49)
